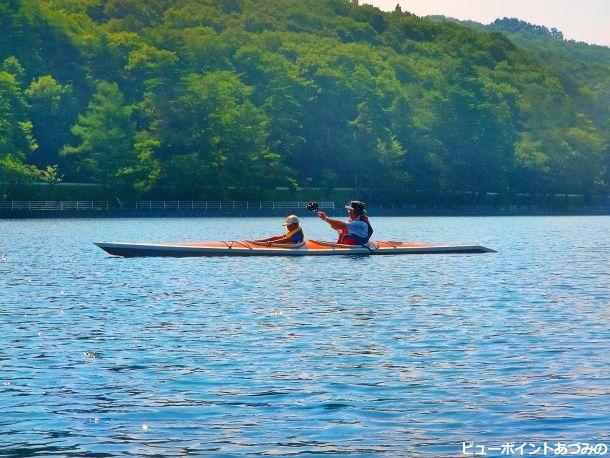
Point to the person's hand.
(322, 216)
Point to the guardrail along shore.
(175, 208)
(50, 205)
(47, 208)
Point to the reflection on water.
(406, 356)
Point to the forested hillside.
(199, 99)
(588, 65)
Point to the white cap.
(291, 219)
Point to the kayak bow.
(307, 248)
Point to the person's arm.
(272, 239)
(276, 239)
(283, 239)
(334, 223)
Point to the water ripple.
(392, 356)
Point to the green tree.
(223, 129)
(105, 150)
(13, 66)
(52, 109)
(16, 141)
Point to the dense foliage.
(193, 99)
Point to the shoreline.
(257, 213)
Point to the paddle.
(313, 207)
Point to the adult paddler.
(357, 231)
(294, 233)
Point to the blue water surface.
(389, 356)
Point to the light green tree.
(105, 150)
(16, 141)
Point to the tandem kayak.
(307, 248)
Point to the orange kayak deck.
(308, 248)
(311, 245)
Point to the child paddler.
(294, 232)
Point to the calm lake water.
(395, 356)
